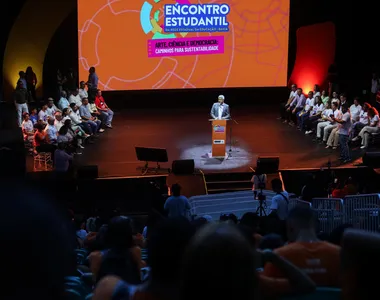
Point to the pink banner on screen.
(186, 46)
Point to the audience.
(318, 259)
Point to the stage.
(186, 134)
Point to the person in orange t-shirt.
(320, 260)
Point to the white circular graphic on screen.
(237, 158)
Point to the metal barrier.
(293, 202)
(362, 211)
(330, 213)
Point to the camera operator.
(280, 201)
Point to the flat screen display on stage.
(176, 44)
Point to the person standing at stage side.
(344, 132)
(92, 84)
(104, 109)
(284, 106)
(220, 110)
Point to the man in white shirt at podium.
(220, 110)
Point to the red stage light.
(315, 54)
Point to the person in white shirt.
(42, 115)
(82, 90)
(361, 122)
(284, 106)
(314, 115)
(373, 127)
(344, 128)
(51, 108)
(63, 102)
(280, 202)
(77, 121)
(303, 115)
(327, 122)
(316, 91)
(27, 128)
(51, 132)
(58, 122)
(75, 98)
(335, 99)
(355, 110)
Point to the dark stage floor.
(186, 134)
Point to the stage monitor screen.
(168, 44)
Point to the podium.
(219, 138)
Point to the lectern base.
(218, 157)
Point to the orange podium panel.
(219, 134)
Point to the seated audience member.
(122, 258)
(324, 128)
(349, 188)
(271, 242)
(40, 143)
(259, 181)
(62, 159)
(58, 122)
(229, 218)
(333, 140)
(280, 201)
(284, 106)
(311, 189)
(51, 132)
(231, 266)
(69, 138)
(319, 260)
(63, 102)
(316, 90)
(252, 221)
(85, 114)
(33, 116)
(325, 97)
(31, 218)
(343, 100)
(67, 121)
(355, 110)
(42, 115)
(335, 99)
(373, 127)
(314, 115)
(20, 99)
(360, 257)
(303, 115)
(336, 236)
(362, 121)
(77, 121)
(104, 109)
(51, 108)
(27, 128)
(177, 205)
(75, 98)
(82, 90)
(166, 248)
(297, 105)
